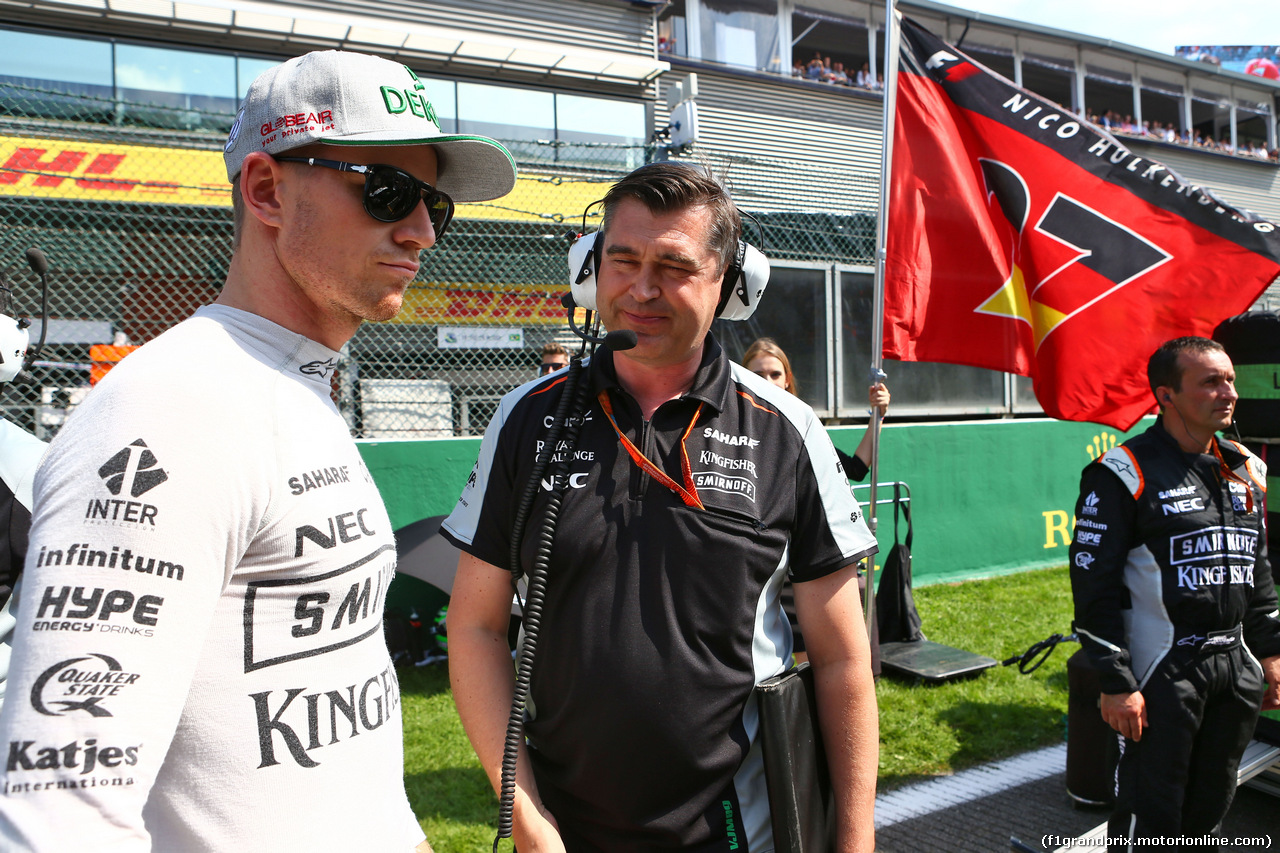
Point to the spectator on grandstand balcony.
(878, 85)
(863, 78)
(838, 75)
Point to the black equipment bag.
(801, 799)
(895, 606)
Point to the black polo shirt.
(661, 617)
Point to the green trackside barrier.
(989, 498)
(1258, 381)
(419, 479)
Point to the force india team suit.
(199, 661)
(1174, 598)
(659, 617)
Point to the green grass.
(449, 792)
(924, 731)
(927, 731)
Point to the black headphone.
(745, 277)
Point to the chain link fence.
(130, 204)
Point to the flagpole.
(892, 38)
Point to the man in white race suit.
(199, 661)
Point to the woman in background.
(768, 361)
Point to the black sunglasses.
(550, 366)
(391, 194)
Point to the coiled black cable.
(572, 399)
(1028, 662)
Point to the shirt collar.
(1230, 454)
(307, 361)
(712, 383)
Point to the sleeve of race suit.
(138, 523)
(1261, 620)
(1099, 551)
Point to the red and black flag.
(1022, 238)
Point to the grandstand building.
(129, 99)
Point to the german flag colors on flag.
(1022, 238)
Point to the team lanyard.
(689, 491)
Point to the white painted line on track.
(925, 798)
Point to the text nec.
(344, 528)
(1188, 505)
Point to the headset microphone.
(6, 296)
(622, 339)
(37, 261)
(40, 266)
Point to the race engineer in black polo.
(695, 487)
(1174, 599)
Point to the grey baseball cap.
(343, 98)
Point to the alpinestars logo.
(83, 681)
(134, 469)
(318, 368)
